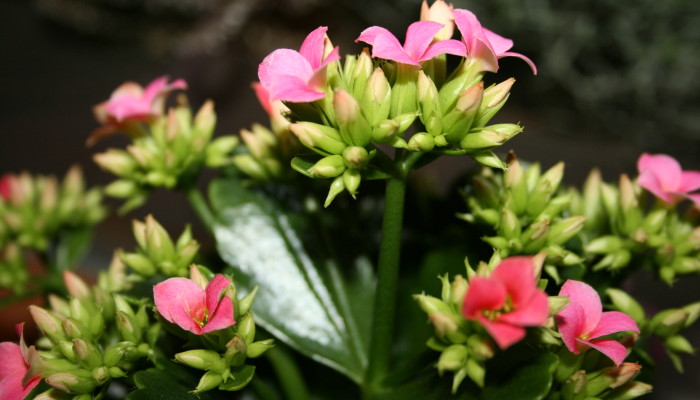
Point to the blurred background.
(615, 79)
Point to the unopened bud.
(439, 12)
(493, 99)
(207, 360)
(352, 180)
(355, 157)
(247, 301)
(218, 153)
(319, 136)
(625, 303)
(118, 162)
(376, 97)
(246, 328)
(565, 229)
(205, 121)
(337, 187)
(421, 142)
(76, 381)
(679, 344)
(328, 167)
(209, 381)
(458, 290)
(668, 322)
(629, 391)
(452, 358)
(256, 349)
(49, 324)
(430, 304)
(76, 286)
(236, 351)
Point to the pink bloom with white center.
(484, 45)
(193, 308)
(299, 76)
(130, 102)
(662, 175)
(582, 322)
(416, 48)
(14, 384)
(507, 301)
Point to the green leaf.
(155, 384)
(430, 386)
(255, 236)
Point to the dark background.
(615, 79)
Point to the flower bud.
(385, 131)
(439, 12)
(679, 344)
(100, 375)
(89, 356)
(337, 187)
(115, 353)
(205, 121)
(122, 189)
(355, 157)
(351, 181)
(328, 167)
(557, 304)
(76, 286)
(236, 351)
(493, 99)
(565, 229)
(246, 328)
(76, 381)
(118, 162)
(604, 245)
(256, 349)
(361, 73)
(376, 98)
(668, 322)
(421, 142)
(629, 391)
(693, 311)
(316, 136)
(509, 225)
(49, 324)
(458, 290)
(452, 358)
(207, 360)
(489, 159)
(246, 302)
(209, 381)
(431, 305)
(575, 386)
(627, 304)
(218, 153)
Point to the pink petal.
(451, 46)
(313, 46)
(503, 333)
(214, 290)
(664, 168)
(587, 298)
(695, 198)
(516, 274)
(285, 75)
(483, 294)
(529, 62)
(570, 323)
(419, 35)
(222, 318)
(482, 51)
(498, 43)
(533, 313)
(12, 359)
(11, 386)
(690, 181)
(263, 96)
(153, 88)
(385, 45)
(612, 349)
(333, 56)
(611, 322)
(177, 300)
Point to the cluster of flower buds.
(622, 230)
(269, 150)
(157, 253)
(204, 306)
(527, 211)
(90, 338)
(343, 112)
(608, 383)
(168, 149)
(35, 209)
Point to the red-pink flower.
(416, 48)
(663, 176)
(193, 308)
(299, 76)
(14, 365)
(484, 45)
(130, 103)
(6, 187)
(507, 301)
(582, 322)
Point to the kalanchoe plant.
(544, 318)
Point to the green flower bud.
(629, 391)
(207, 360)
(565, 229)
(447, 327)
(628, 305)
(509, 225)
(66, 348)
(118, 162)
(679, 344)
(100, 375)
(122, 189)
(493, 99)
(320, 138)
(403, 93)
(88, 355)
(159, 246)
(354, 129)
(49, 324)
(256, 349)
(361, 73)
(246, 302)
(217, 153)
(115, 353)
(385, 131)
(693, 310)
(355, 157)
(209, 381)
(204, 122)
(475, 371)
(328, 167)
(246, 328)
(421, 142)
(668, 322)
(351, 181)
(557, 303)
(236, 351)
(535, 236)
(489, 159)
(336, 188)
(76, 381)
(376, 99)
(431, 305)
(452, 359)
(458, 290)
(604, 245)
(686, 265)
(574, 388)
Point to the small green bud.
(207, 360)
(49, 324)
(355, 157)
(209, 381)
(458, 290)
(122, 188)
(476, 372)
(118, 162)
(320, 137)
(205, 121)
(629, 391)
(604, 245)
(693, 310)
(446, 327)
(218, 153)
(376, 98)
(668, 322)
(431, 305)
(361, 73)
(452, 359)
(76, 381)
(351, 181)
(236, 352)
(335, 189)
(557, 303)
(87, 353)
(494, 98)
(509, 225)
(679, 344)
(100, 375)
(421, 142)
(246, 302)
(115, 353)
(328, 167)
(246, 328)
(565, 229)
(489, 159)
(627, 304)
(256, 349)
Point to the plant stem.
(200, 206)
(387, 282)
(288, 374)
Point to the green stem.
(387, 282)
(200, 206)
(288, 374)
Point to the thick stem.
(200, 206)
(288, 374)
(387, 282)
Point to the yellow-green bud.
(217, 153)
(337, 187)
(421, 142)
(629, 391)
(256, 349)
(322, 137)
(355, 157)
(679, 344)
(494, 98)
(247, 301)
(668, 322)
(76, 381)
(452, 358)
(565, 229)
(236, 352)
(207, 360)
(246, 328)
(376, 98)
(209, 381)
(625, 303)
(328, 167)
(351, 181)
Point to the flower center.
(201, 316)
(493, 315)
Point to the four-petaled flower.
(299, 76)
(130, 102)
(507, 301)
(14, 365)
(193, 308)
(582, 322)
(417, 46)
(484, 45)
(662, 175)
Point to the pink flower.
(299, 76)
(6, 187)
(484, 45)
(583, 322)
(14, 365)
(663, 176)
(130, 103)
(193, 308)
(417, 47)
(507, 301)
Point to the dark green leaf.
(155, 384)
(240, 378)
(520, 373)
(255, 236)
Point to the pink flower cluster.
(663, 176)
(299, 76)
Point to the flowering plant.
(317, 269)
